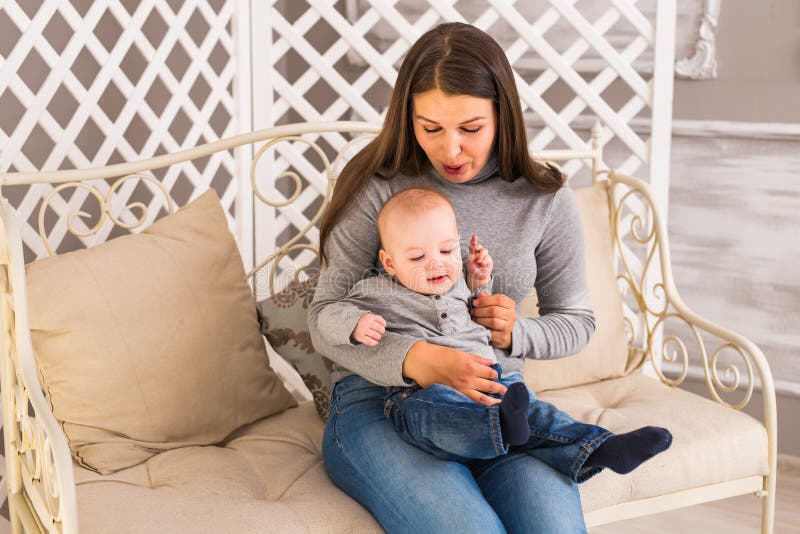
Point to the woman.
(455, 124)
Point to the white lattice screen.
(85, 84)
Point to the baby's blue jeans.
(443, 422)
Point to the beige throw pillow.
(150, 342)
(606, 354)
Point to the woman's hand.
(467, 373)
(498, 313)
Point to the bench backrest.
(290, 178)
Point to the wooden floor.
(738, 515)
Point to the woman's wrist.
(411, 363)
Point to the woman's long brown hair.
(457, 59)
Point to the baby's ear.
(386, 260)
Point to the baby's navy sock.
(623, 453)
(514, 414)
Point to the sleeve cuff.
(517, 336)
(347, 323)
(402, 345)
(485, 288)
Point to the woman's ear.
(386, 260)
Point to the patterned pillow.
(283, 322)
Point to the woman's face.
(455, 131)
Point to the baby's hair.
(412, 200)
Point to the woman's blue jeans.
(409, 490)
(444, 422)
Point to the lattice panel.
(86, 84)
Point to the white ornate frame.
(702, 65)
(39, 467)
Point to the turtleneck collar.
(490, 170)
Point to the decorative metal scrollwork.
(104, 202)
(331, 171)
(655, 307)
(33, 447)
(731, 373)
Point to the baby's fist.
(369, 329)
(479, 265)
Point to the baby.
(425, 293)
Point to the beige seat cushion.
(267, 478)
(149, 342)
(606, 354)
(270, 476)
(710, 443)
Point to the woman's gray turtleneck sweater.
(535, 239)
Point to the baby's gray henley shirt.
(441, 319)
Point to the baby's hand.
(369, 329)
(479, 265)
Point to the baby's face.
(422, 250)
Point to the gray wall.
(758, 52)
(734, 218)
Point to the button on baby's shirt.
(447, 315)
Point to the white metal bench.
(40, 472)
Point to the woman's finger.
(497, 299)
(491, 311)
(485, 363)
(480, 398)
(493, 323)
(490, 386)
(483, 372)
